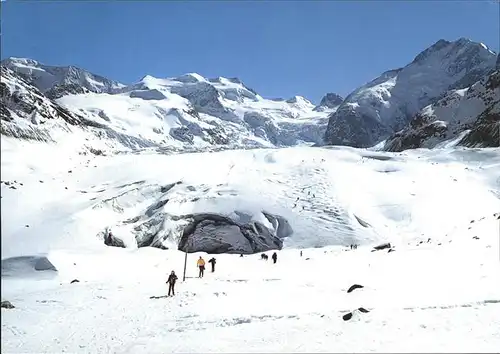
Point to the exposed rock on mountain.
(468, 117)
(329, 101)
(230, 231)
(24, 109)
(214, 233)
(181, 112)
(387, 104)
(46, 77)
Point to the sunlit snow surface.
(441, 294)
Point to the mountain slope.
(27, 113)
(469, 116)
(189, 111)
(330, 101)
(387, 104)
(56, 81)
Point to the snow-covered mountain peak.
(189, 111)
(387, 104)
(439, 45)
(443, 49)
(225, 80)
(148, 78)
(300, 101)
(15, 62)
(329, 101)
(190, 78)
(57, 81)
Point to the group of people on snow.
(172, 278)
(265, 257)
(201, 265)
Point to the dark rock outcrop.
(347, 316)
(6, 305)
(485, 132)
(420, 129)
(354, 287)
(474, 112)
(60, 90)
(183, 134)
(383, 246)
(213, 233)
(28, 102)
(330, 100)
(112, 240)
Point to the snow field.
(431, 295)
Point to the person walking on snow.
(274, 257)
(172, 278)
(201, 266)
(212, 261)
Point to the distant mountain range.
(448, 94)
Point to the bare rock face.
(383, 246)
(387, 104)
(485, 131)
(214, 233)
(7, 305)
(330, 100)
(111, 240)
(471, 115)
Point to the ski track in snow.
(431, 295)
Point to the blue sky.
(279, 48)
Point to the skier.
(172, 278)
(212, 262)
(301, 253)
(274, 257)
(201, 265)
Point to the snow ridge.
(186, 112)
(55, 81)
